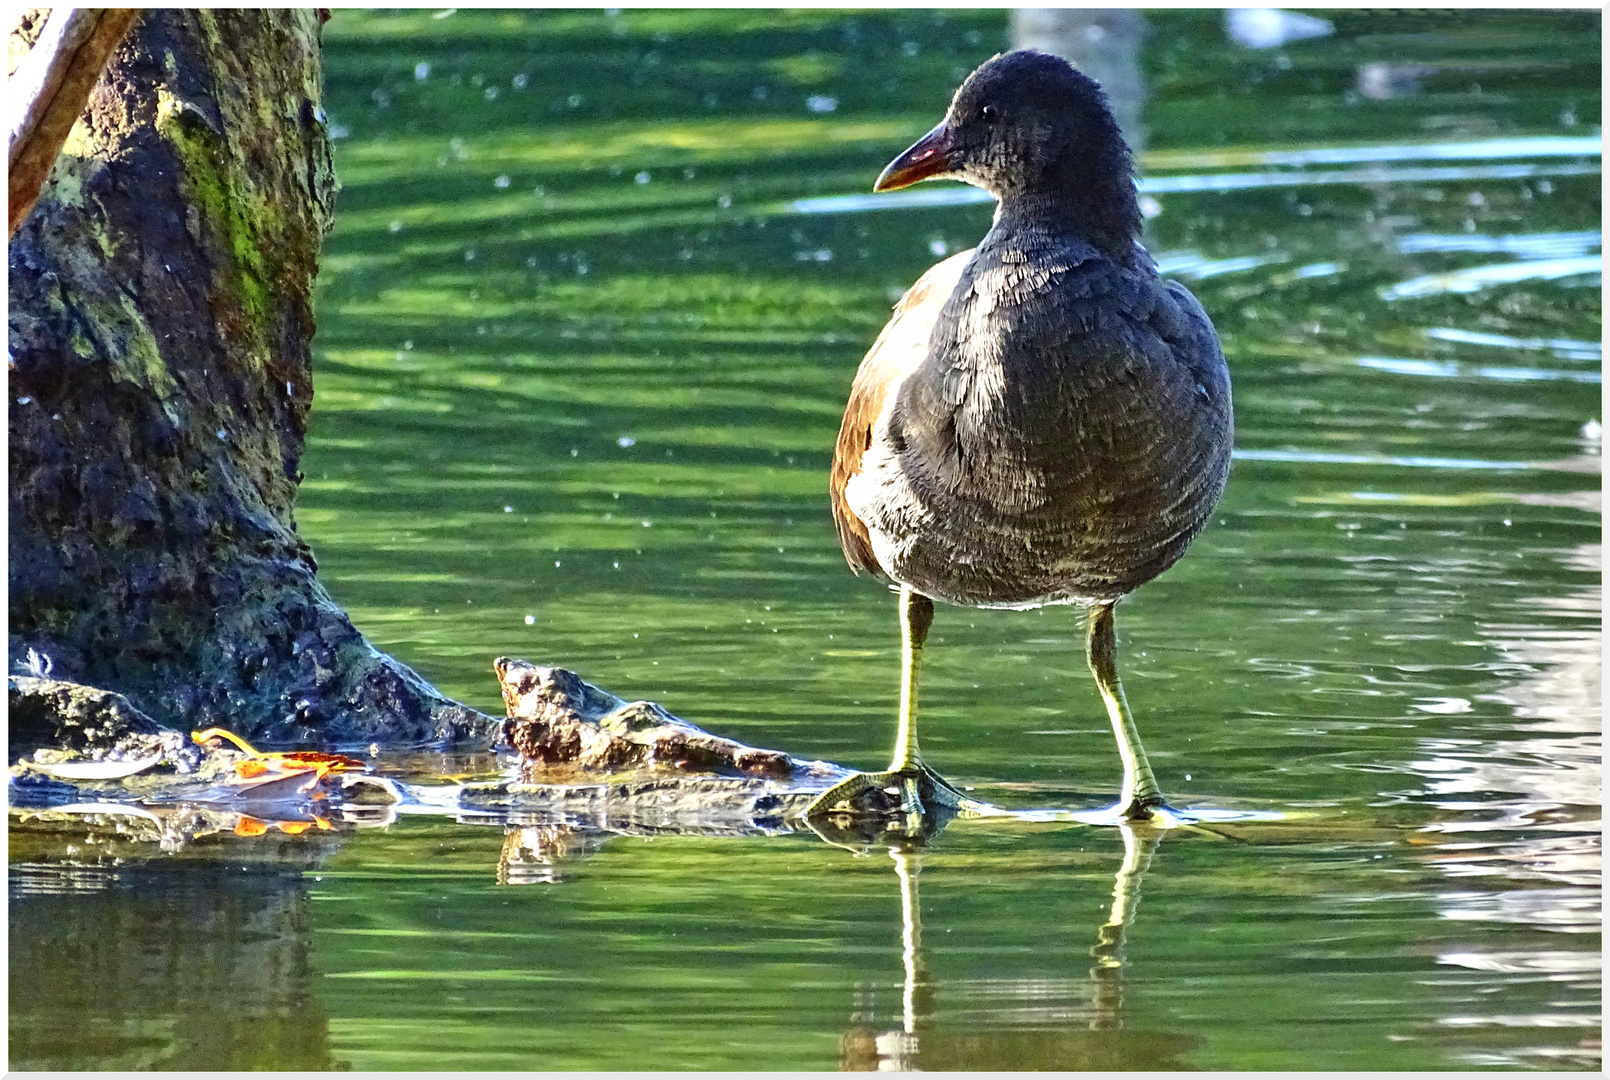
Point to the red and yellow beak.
(928, 156)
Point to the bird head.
(1029, 127)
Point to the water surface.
(597, 288)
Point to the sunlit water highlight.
(1160, 185)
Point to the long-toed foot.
(1153, 812)
(913, 790)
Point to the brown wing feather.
(901, 346)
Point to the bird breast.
(1065, 436)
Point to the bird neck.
(1091, 200)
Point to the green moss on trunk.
(160, 329)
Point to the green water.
(580, 366)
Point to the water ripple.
(1564, 348)
(1543, 245)
(1480, 277)
(1320, 457)
(1449, 369)
(963, 195)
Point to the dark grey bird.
(1044, 420)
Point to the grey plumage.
(1065, 436)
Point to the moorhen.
(1043, 420)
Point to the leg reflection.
(900, 1048)
(1028, 1023)
(861, 1049)
(1107, 976)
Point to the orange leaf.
(314, 759)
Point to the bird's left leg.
(911, 781)
(916, 779)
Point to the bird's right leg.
(917, 787)
(916, 616)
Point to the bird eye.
(988, 112)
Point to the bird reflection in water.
(1140, 844)
(535, 854)
(863, 1048)
(924, 1041)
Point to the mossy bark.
(160, 329)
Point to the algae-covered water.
(597, 288)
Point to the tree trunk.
(160, 321)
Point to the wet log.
(587, 755)
(160, 324)
(589, 760)
(560, 724)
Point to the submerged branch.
(581, 757)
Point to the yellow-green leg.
(1140, 799)
(916, 616)
(918, 788)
